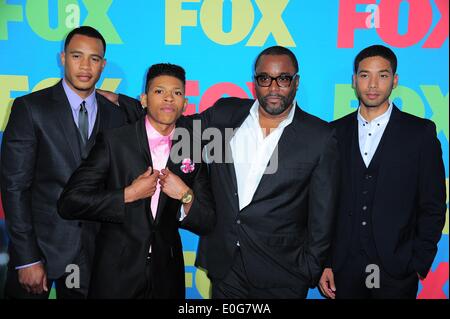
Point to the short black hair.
(278, 50)
(87, 31)
(165, 69)
(376, 50)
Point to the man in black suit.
(274, 176)
(137, 184)
(392, 193)
(275, 189)
(48, 134)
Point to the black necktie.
(83, 123)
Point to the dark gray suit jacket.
(40, 150)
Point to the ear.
(395, 80)
(144, 99)
(185, 105)
(104, 64)
(297, 82)
(62, 56)
(354, 81)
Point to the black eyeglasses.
(283, 80)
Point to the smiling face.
(165, 100)
(83, 63)
(374, 82)
(275, 100)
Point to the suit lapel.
(163, 197)
(142, 140)
(228, 154)
(290, 134)
(103, 115)
(173, 167)
(61, 107)
(350, 143)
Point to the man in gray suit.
(48, 134)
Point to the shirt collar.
(254, 113)
(75, 100)
(382, 119)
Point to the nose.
(373, 82)
(273, 87)
(85, 63)
(168, 96)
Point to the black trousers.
(145, 287)
(235, 285)
(353, 282)
(13, 289)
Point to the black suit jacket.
(96, 192)
(285, 232)
(40, 150)
(408, 211)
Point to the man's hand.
(142, 187)
(326, 283)
(33, 279)
(111, 96)
(172, 185)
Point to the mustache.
(274, 95)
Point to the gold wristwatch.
(187, 197)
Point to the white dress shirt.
(251, 152)
(370, 133)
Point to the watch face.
(187, 198)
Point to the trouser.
(235, 285)
(353, 282)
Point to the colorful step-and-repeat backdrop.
(216, 41)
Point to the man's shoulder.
(343, 121)
(232, 102)
(125, 133)
(415, 126)
(104, 105)
(39, 96)
(316, 123)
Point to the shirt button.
(364, 207)
(235, 194)
(368, 176)
(370, 134)
(365, 153)
(365, 192)
(238, 221)
(364, 223)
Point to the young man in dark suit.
(392, 193)
(136, 182)
(274, 181)
(48, 134)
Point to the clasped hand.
(144, 185)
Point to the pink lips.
(372, 96)
(84, 78)
(167, 109)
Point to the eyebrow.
(81, 52)
(282, 73)
(381, 71)
(163, 87)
